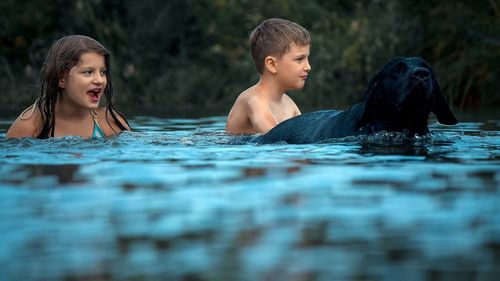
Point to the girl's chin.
(93, 106)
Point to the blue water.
(178, 199)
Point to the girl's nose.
(99, 78)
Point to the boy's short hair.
(273, 37)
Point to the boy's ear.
(270, 63)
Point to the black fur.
(399, 98)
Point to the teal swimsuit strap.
(97, 132)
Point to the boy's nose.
(307, 66)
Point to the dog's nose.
(421, 73)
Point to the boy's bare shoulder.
(247, 106)
(248, 98)
(247, 94)
(290, 101)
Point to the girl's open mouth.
(94, 95)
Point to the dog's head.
(402, 95)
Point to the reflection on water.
(180, 199)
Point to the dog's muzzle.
(421, 73)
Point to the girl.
(74, 77)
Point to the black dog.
(399, 98)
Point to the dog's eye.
(426, 66)
(400, 67)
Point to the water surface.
(180, 199)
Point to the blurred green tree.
(171, 57)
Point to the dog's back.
(316, 126)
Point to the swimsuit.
(97, 132)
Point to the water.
(178, 199)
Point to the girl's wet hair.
(62, 56)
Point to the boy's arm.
(260, 115)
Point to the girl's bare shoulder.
(108, 123)
(28, 124)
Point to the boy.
(280, 50)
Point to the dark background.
(191, 58)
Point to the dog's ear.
(372, 85)
(368, 98)
(440, 107)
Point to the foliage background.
(177, 57)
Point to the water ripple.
(181, 199)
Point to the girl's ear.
(271, 64)
(62, 82)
